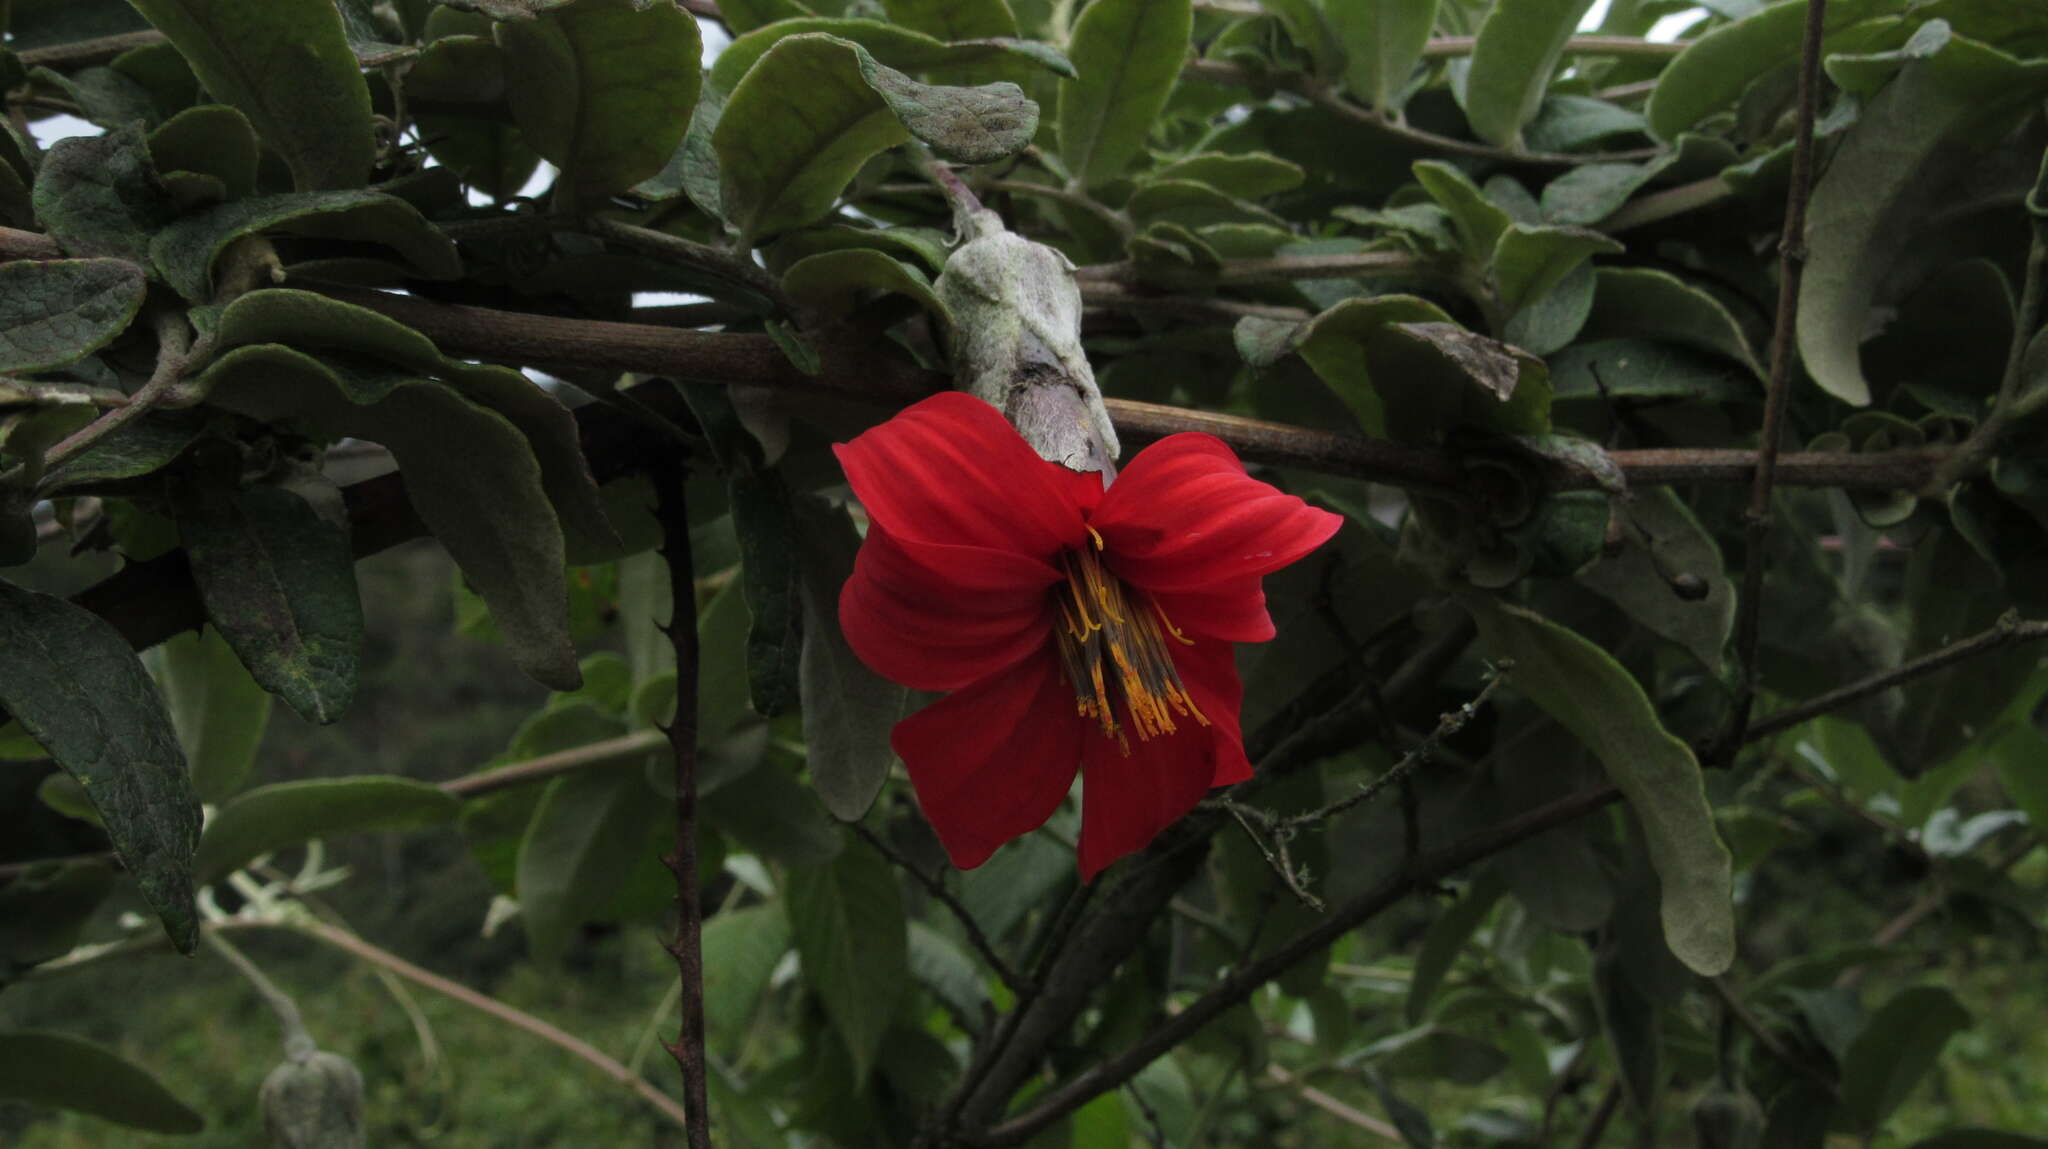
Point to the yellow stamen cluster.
(1113, 645)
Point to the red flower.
(1074, 627)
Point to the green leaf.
(939, 964)
(764, 519)
(64, 1072)
(103, 96)
(311, 321)
(1434, 1053)
(1530, 260)
(1715, 69)
(604, 88)
(285, 814)
(127, 452)
(469, 473)
(76, 687)
(1383, 41)
(816, 107)
(835, 280)
(1244, 175)
(1894, 168)
(846, 917)
(849, 710)
(586, 835)
(278, 579)
(1479, 220)
(1518, 48)
(1446, 937)
(44, 910)
(741, 950)
(470, 134)
(218, 710)
(953, 19)
(1641, 302)
(1894, 1050)
(978, 125)
(1981, 1139)
(1590, 694)
(185, 251)
(1129, 55)
(212, 139)
(1410, 374)
(1634, 1032)
(98, 196)
(1664, 541)
(59, 311)
(287, 65)
(774, 816)
(896, 46)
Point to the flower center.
(1113, 645)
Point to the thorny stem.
(937, 888)
(670, 474)
(1791, 268)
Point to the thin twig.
(1445, 47)
(519, 1019)
(611, 750)
(98, 50)
(733, 268)
(1596, 1125)
(1241, 983)
(2013, 404)
(2009, 629)
(1791, 267)
(1765, 1039)
(937, 888)
(670, 473)
(1334, 1107)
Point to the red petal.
(937, 618)
(1185, 516)
(1233, 611)
(941, 617)
(1209, 669)
(993, 761)
(1127, 800)
(949, 470)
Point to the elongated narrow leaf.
(287, 814)
(1890, 171)
(1605, 708)
(1895, 1049)
(287, 65)
(741, 950)
(848, 709)
(279, 582)
(1129, 55)
(1446, 938)
(846, 918)
(218, 710)
(603, 88)
(59, 311)
(1383, 41)
(73, 683)
(1518, 49)
(65, 1072)
(587, 833)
